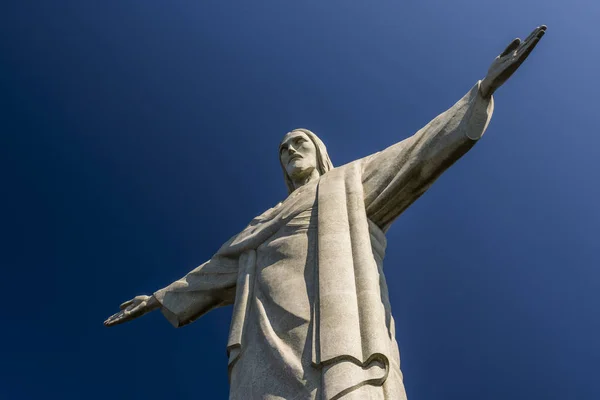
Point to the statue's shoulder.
(351, 171)
(266, 215)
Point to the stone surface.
(311, 314)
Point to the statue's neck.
(303, 180)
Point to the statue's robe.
(311, 314)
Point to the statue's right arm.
(208, 286)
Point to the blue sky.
(137, 137)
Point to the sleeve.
(208, 286)
(395, 177)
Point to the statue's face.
(298, 154)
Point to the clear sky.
(137, 136)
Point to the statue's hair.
(323, 161)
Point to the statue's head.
(300, 153)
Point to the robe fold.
(306, 277)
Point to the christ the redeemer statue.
(311, 315)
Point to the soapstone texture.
(311, 316)
(311, 313)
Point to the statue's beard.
(297, 170)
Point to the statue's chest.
(285, 263)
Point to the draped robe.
(311, 314)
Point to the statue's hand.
(133, 309)
(507, 63)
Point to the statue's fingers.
(126, 304)
(119, 318)
(540, 30)
(111, 320)
(522, 56)
(531, 45)
(528, 46)
(511, 47)
(134, 310)
(539, 34)
(534, 33)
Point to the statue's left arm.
(395, 177)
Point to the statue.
(311, 315)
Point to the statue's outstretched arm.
(208, 286)
(395, 177)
